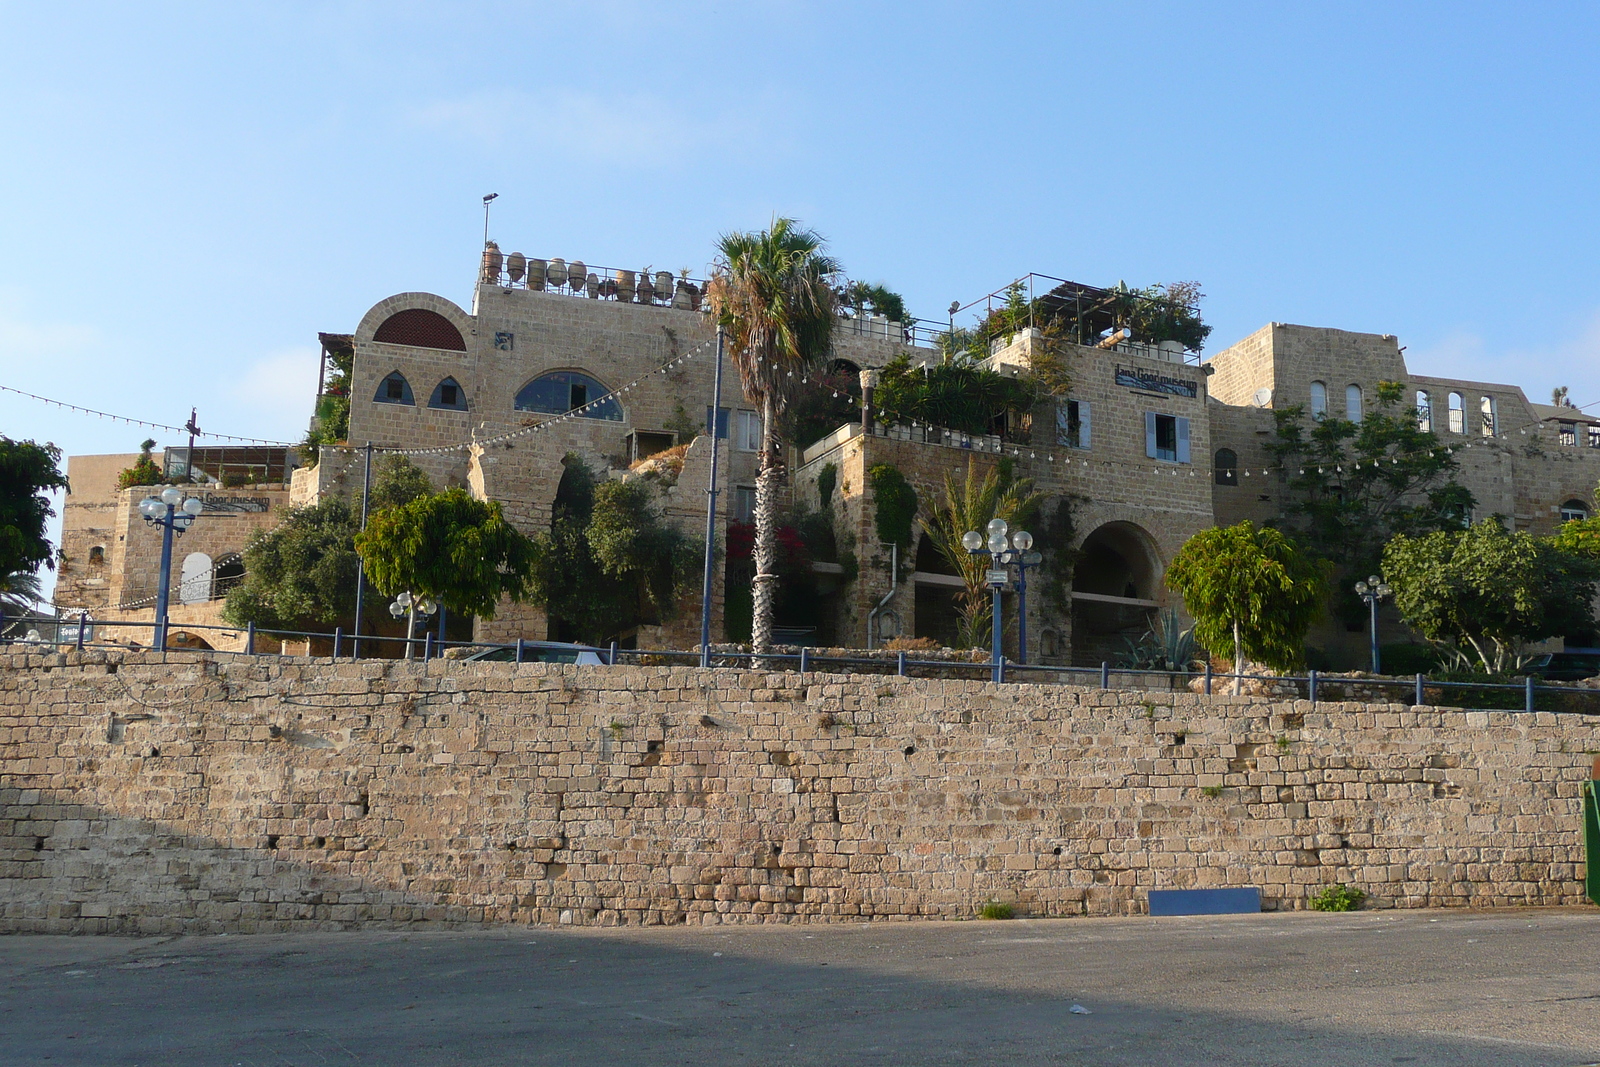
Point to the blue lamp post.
(1374, 590)
(173, 514)
(1003, 552)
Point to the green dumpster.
(1591, 835)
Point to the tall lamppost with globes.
(410, 607)
(173, 514)
(1004, 551)
(1373, 590)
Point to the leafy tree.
(958, 395)
(896, 504)
(1162, 313)
(144, 470)
(451, 548)
(28, 471)
(583, 602)
(1251, 586)
(301, 574)
(1351, 486)
(1481, 593)
(398, 481)
(331, 423)
(877, 299)
(970, 505)
(633, 545)
(774, 298)
(823, 403)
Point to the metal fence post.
(83, 623)
(427, 646)
(900, 664)
(1105, 675)
(1000, 669)
(613, 662)
(1311, 685)
(1530, 692)
(1421, 699)
(805, 659)
(250, 639)
(519, 650)
(1208, 678)
(338, 641)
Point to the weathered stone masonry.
(212, 794)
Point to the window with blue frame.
(448, 394)
(394, 389)
(562, 391)
(1166, 437)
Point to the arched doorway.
(1115, 584)
(194, 585)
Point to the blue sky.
(191, 192)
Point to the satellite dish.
(1262, 398)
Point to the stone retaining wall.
(211, 793)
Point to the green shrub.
(1338, 898)
(995, 909)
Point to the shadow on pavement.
(1493, 988)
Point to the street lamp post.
(1373, 590)
(173, 514)
(411, 606)
(1002, 552)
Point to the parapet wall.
(229, 794)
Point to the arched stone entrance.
(1115, 586)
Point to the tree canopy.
(1485, 591)
(301, 574)
(450, 547)
(958, 394)
(1252, 588)
(1350, 486)
(144, 471)
(28, 471)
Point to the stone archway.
(1115, 585)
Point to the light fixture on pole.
(173, 514)
(1004, 551)
(1373, 590)
(409, 607)
(488, 199)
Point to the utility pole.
(711, 511)
(361, 564)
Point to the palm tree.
(774, 299)
(20, 594)
(970, 506)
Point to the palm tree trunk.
(766, 546)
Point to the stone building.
(110, 562)
(557, 361)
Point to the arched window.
(448, 394)
(1225, 467)
(1574, 511)
(394, 390)
(1424, 411)
(195, 585)
(1486, 411)
(1319, 400)
(97, 554)
(1352, 403)
(562, 391)
(1458, 419)
(227, 574)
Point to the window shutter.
(1083, 424)
(1150, 434)
(1183, 440)
(1063, 424)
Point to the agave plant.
(1166, 646)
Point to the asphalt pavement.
(1416, 987)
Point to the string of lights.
(140, 422)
